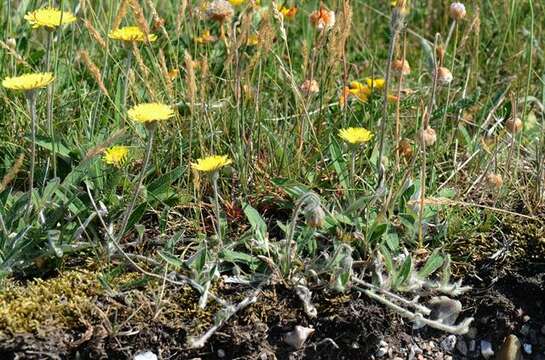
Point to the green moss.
(59, 302)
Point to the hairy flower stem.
(31, 103)
(215, 177)
(128, 64)
(396, 25)
(398, 103)
(50, 35)
(151, 134)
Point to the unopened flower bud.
(315, 217)
(11, 42)
(513, 125)
(401, 67)
(405, 149)
(457, 11)
(428, 136)
(494, 180)
(444, 76)
(309, 87)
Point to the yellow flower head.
(131, 33)
(237, 2)
(211, 163)
(150, 112)
(49, 18)
(355, 136)
(252, 40)
(28, 82)
(288, 13)
(205, 38)
(375, 84)
(116, 155)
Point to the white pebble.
(527, 348)
(146, 355)
(486, 349)
(448, 343)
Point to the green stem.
(149, 146)
(31, 102)
(215, 177)
(128, 64)
(50, 104)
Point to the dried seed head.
(11, 42)
(401, 67)
(428, 136)
(309, 87)
(513, 125)
(220, 10)
(444, 76)
(495, 181)
(457, 11)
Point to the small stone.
(447, 357)
(461, 346)
(448, 343)
(510, 350)
(527, 348)
(383, 349)
(297, 337)
(486, 349)
(145, 355)
(526, 318)
(472, 345)
(525, 329)
(221, 353)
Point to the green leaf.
(240, 257)
(404, 273)
(255, 219)
(171, 259)
(53, 238)
(376, 233)
(434, 262)
(388, 261)
(339, 164)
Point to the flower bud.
(428, 136)
(513, 125)
(11, 42)
(457, 11)
(405, 149)
(315, 217)
(309, 87)
(401, 67)
(444, 76)
(495, 181)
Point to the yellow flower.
(116, 155)
(211, 163)
(375, 84)
(355, 136)
(288, 13)
(205, 38)
(28, 82)
(49, 17)
(150, 112)
(237, 2)
(252, 40)
(131, 33)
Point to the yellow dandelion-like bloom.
(205, 38)
(150, 112)
(375, 84)
(131, 33)
(49, 18)
(28, 82)
(211, 163)
(355, 136)
(252, 40)
(116, 155)
(237, 2)
(288, 13)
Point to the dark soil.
(349, 326)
